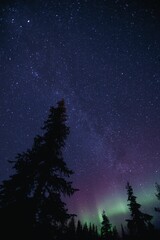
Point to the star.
(104, 64)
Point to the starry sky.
(103, 58)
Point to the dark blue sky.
(103, 58)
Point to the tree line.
(31, 205)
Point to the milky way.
(103, 58)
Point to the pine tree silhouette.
(31, 199)
(93, 232)
(106, 229)
(139, 225)
(85, 231)
(79, 230)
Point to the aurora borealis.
(103, 58)
(117, 210)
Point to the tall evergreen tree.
(32, 198)
(140, 223)
(106, 229)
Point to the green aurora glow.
(117, 208)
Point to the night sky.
(103, 58)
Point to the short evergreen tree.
(106, 228)
(93, 232)
(79, 230)
(140, 223)
(31, 200)
(71, 229)
(85, 231)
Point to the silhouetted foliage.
(106, 229)
(140, 226)
(85, 231)
(30, 201)
(71, 229)
(93, 232)
(79, 230)
(31, 205)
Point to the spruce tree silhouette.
(79, 230)
(31, 200)
(85, 231)
(93, 232)
(106, 229)
(140, 226)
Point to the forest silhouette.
(31, 205)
